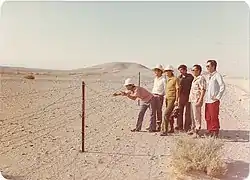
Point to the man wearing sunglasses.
(214, 92)
(196, 96)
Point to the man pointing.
(148, 101)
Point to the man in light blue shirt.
(214, 92)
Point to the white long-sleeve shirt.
(159, 85)
(215, 87)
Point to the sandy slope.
(41, 131)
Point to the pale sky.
(69, 35)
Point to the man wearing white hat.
(148, 101)
(172, 98)
(1, 177)
(159, 92)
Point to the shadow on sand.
(237, 170)
(235, 135)
(232, 135)
(9, 177)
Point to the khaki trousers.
(195, 116)
(167, 114)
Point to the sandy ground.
(40, 135)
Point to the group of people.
(184, 93)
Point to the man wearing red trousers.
(214, 92)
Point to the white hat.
(128, 82)
(1, 176)
(169, 68)
(158, 66)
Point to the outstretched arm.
(117, 94)
(131, 97)
(128, 94)
(120, 93)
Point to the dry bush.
(29, 76)
(198, 155)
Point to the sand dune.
(41, 128)
(241, 83)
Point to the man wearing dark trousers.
(185, 80)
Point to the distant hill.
(112, 67)
(23, 69)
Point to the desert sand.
(40, 122)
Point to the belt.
(159, 94)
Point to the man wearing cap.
(159, 92)
(215, 90)
(172, 97)
(148, 101)
(186, 80)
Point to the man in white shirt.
(159, 92)
(214, 92)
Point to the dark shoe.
(188, 129)
(158, 129)
(148, 128)
(208, 133)
(190, 132)
(197, 132)
(151, 130)
(164, 134)
(178, 129)
(171, 131)
(135, 130)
